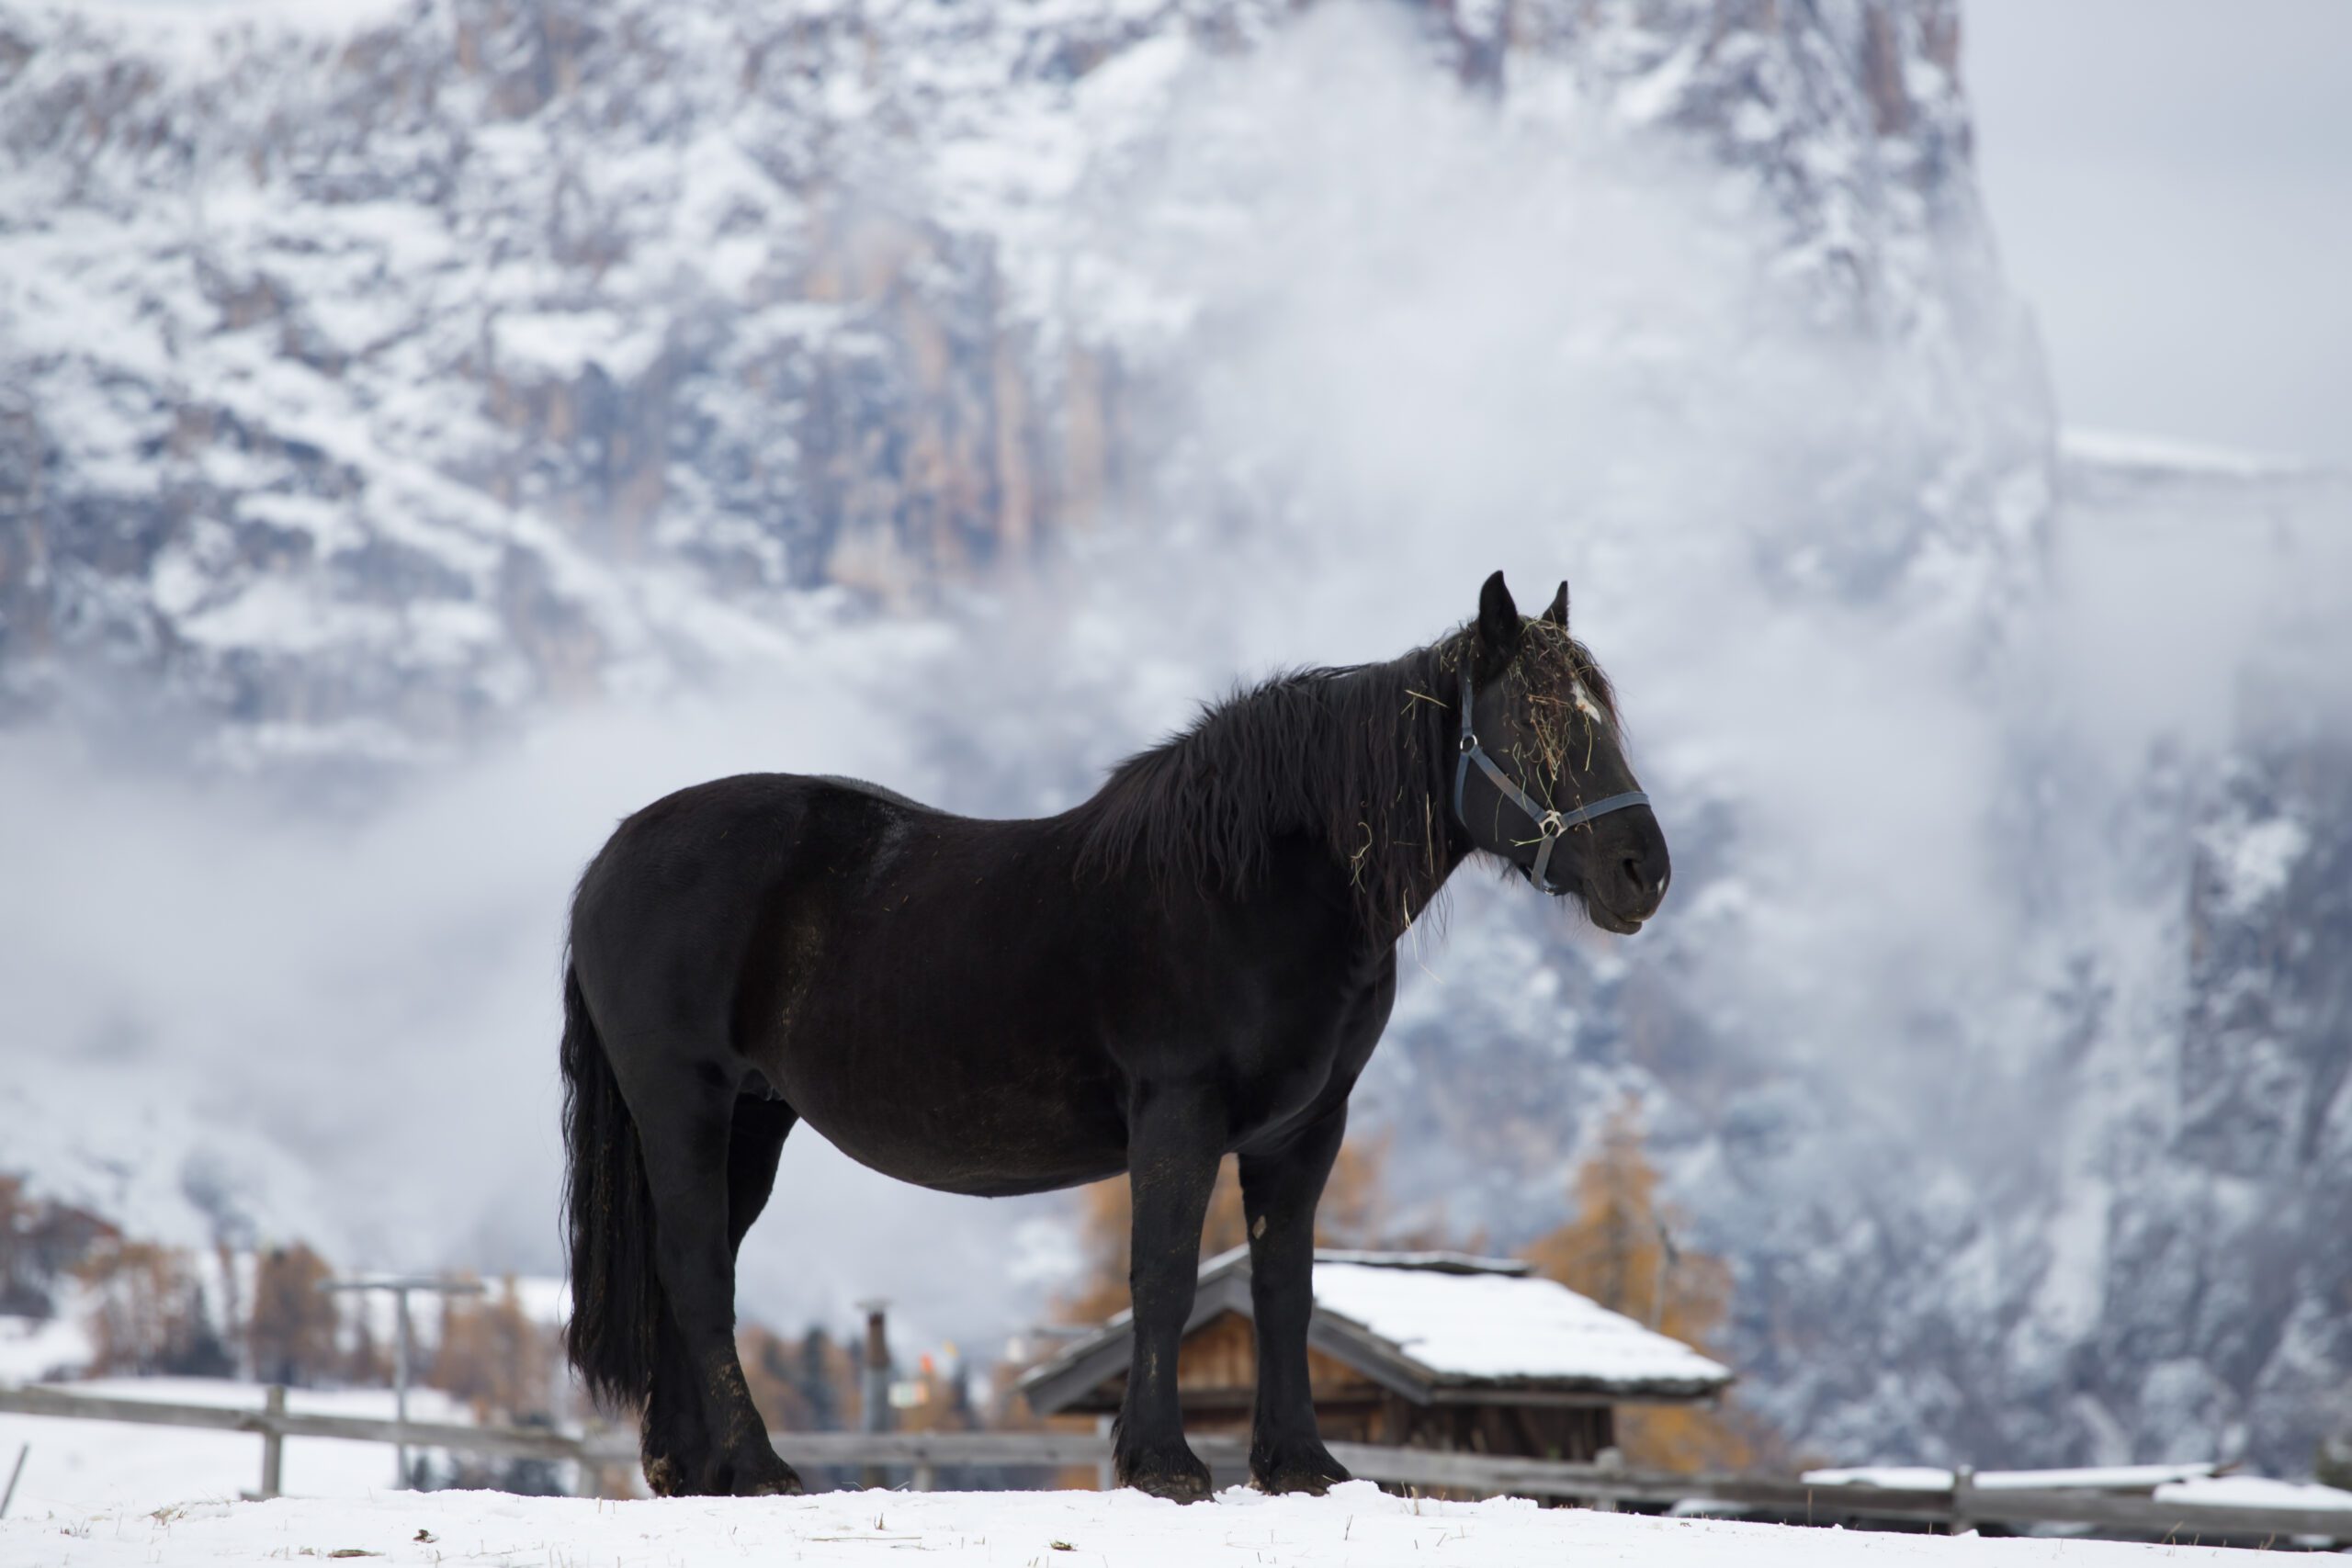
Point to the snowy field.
(1357, 1525)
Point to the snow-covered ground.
(79, 1470)
(1357, 1525)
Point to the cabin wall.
(1576, 1434)
(1216, 1371)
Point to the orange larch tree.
(294, 1327)
(494, 1356)
(1619, 1247)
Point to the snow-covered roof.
(1428, 1324)
(1443, 1262)
(1507, 1326)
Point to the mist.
(1394, 338)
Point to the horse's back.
(864, 787)
(674, 902)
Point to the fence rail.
(1487, 1475)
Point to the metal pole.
(1666, 1259)
(405, 1348)
(273, 1443)
(404, 1352)
(399, 1387)
(10, 1496)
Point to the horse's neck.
(1430, 833)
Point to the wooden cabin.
(1414, 1349)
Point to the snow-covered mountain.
(962, 391)
(154, 1165)
(375, 374)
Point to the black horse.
(1196, 962)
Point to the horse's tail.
(616, 1298)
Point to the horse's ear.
(1558, 613)
(1498, 624)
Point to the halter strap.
(1549, 824)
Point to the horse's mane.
(1356, 757)
(1346, 756)
(1359, 757)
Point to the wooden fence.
(925, 1453)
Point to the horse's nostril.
(1631, 866)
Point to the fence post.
(1611, 1461)
(1106, 1473)
(273, 1441)
(1963, 1481)
(10, 1496)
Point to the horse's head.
(1542, 778)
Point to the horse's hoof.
(662, 1478)
(787, 1486)
(1180, 1477)
(1313, 1472)
(761, 1477)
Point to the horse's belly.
(1031, 1151)
(953, 1113)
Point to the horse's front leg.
(1280, 1188)
(1175, 1136)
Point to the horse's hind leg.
(702, 1150)
(753, 1145)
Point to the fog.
(1396, 339)
(2167, 180)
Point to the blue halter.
(1549, 824)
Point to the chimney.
(874, 1383)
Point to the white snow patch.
(2253, 862)
(2086, 1478)
(563, 343)
(2253, 1492)
(1893, 1477)
(2159, 454)
(284, 615)
(320, 16)
(35, 1348)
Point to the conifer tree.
(818, 1388)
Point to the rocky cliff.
(374, 378)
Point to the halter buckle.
(1549, 825)
(1469, 742)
